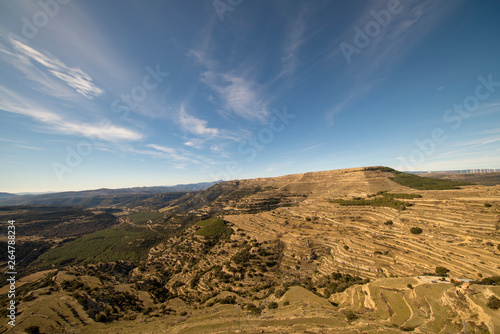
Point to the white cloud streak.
(296, 38)
(195, 125)
(14, 103)
(28, 57)
(239, 94)
(162, 148)
(181, 157)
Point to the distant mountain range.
(6, 195)
(98, 197)
(150, 196)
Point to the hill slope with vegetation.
(333, 251)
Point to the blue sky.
(139, 93)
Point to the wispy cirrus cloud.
(162, 148)
(109, 132)
(36, 148)
(295, 39)
(179, 157)
(40, 66)
(237, 93)
(475, 143)
(490, 131)
(195, 143)
(16, 104)
(300, 29)
(195, 125)
(379, 58)
(201, 133)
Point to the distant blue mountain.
(6, 195)
(97, 196)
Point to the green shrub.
(32, 330)
(351, 316)
(101, 317)
(493, 280)
(279, 293)
(243, 256)
(409, 286)
(254, 309)
(272, 305)
(214, 227)
(286, 303)
(389, 222)
(416, 230)
(493, 303)
(488, 205)
(346, 247)
(407, 328)
(442, 271)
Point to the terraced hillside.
(344, 251)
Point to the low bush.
(493, 303)
(279, 293)
(425, 183)
(32, 330)
(254, 309)
(442, 271)
(351, 316)
(272, 305)
(416, 230)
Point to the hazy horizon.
(190, 183)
